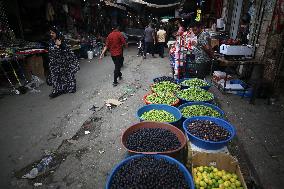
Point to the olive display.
(165, 87)
(158, 115)
(166, 98)
(164, 78)
(195, 82)
(208, 130)
(195, 94)
(152, 140)
(199, 110)
(149, 172)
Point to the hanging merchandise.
(6, 33)
(181, 54)
(198, 15)
(65, 8)
(50, 12)
(278, 17)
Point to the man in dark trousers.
(150, 40)
(115, 42)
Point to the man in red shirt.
(115, 42)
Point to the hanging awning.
(115, 5)
(158, 3)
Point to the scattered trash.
(87, 132)
(37, 184)
(113, 102)
(35, 83)
(40, 168)
(123, 114)
(93, 108)
(72, 141)
(101, 151)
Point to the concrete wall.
(270, 43)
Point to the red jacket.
(115, 42)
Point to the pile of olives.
(149, 172)
(195, 94)
(158, 115)
(208, 130)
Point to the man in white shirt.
(161, 36)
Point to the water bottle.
(44, 163)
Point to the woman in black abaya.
(63, 65)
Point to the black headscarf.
(59, 34)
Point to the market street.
(32, 123)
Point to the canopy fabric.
(115, 5)
(158, 3)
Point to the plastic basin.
(181, 167)
(176, 103)
(219, 110)
(172, 110)
(149, 124)
(209, 145)
(186, 87)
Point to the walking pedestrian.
(150, 40)
(115, 42)
(63, 65)
(161, 38)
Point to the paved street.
(32, 125)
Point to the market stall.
(199, 153)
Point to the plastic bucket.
(186, 87)
(219, 110)
(181, 167)
(209, 145)
(149, 124)
(90, 55)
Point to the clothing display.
(50, 12)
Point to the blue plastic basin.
(219, 110)
(209, 145)
(181, 167)
(186, 87)
(172, 110)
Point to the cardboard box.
(220, 161)
(214, 42)
(34, 64)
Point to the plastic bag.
(35, 83)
